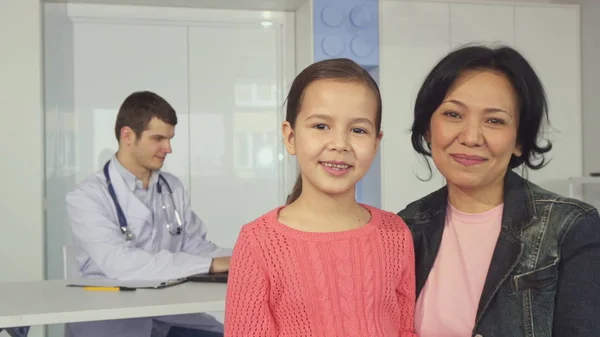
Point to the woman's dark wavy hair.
(531, 98)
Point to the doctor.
(140, 226)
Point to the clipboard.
(103, 282)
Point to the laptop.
(210, 278)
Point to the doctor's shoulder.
(91, 185)
(90, 193)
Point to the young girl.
(325, 265)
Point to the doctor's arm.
(100, 237)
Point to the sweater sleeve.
(406, 290)
(247, 312)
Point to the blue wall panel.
(350, 29)
(347, 28)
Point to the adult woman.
(496, 255)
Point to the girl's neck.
(321, 203)
(476, 200)
(315, 211)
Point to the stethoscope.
(121, 216)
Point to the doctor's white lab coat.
(152, 254)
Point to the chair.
(70, 271)
(17, 332)
(70, 266)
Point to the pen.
(108, 289)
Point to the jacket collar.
(519, 211)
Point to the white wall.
(590, 55)
(22, 228)
(413, 36)
(485, 1)
(554, 30)
(416, 34)
(304, 36)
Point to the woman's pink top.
(448, 303)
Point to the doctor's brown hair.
(340, 69)
(138, 109)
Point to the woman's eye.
(451, 114)
(496, 121)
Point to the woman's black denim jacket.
(544, 278)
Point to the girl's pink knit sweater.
(285, 282)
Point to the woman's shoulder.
(543, 197)
(423, 209)
(559, 213)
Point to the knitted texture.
(289, 283)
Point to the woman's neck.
(476, 200)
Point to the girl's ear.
(289, 138)
(379, 137)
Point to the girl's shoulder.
(386, 220)
(260, 226)
(393, 231)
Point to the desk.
(51, 302)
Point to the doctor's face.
(153, 145)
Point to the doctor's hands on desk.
(220, 264)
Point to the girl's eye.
(320, 127)
(359, 130)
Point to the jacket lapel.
(518, 212)
(429, 244)
(427, 227)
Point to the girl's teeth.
(337, 166)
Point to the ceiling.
(273, 5)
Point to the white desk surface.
(51, 302)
